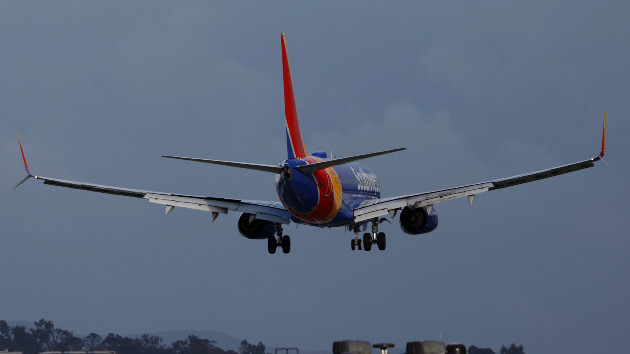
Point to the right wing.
(381, 207)
(263, 210)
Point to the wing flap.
(382, 207)
(270, 211)
(186, 202)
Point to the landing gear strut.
(274, 242)
(369, 239)
(356, 242)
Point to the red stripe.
(290, 109)
(326, 203)
(23, 157)
(603, 137)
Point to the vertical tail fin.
(295, 145)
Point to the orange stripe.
(329, 190)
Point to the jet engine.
(256, 229)
(416, 221)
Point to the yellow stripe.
(336, 182)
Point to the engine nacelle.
(255, 230)
(418, 221)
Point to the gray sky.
(100, 90)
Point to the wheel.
(272, 244)
(367, 242)
(352, 244)
(359, 244)
(286, 244)
(381, 241)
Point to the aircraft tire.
(272, 244)
(352, 245)
(367, 242)
(359, 244)
(286, 244)
(381, 241)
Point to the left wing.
(269, 211)
(381, 207)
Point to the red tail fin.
(295, 145)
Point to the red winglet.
(23, 157)
(601, 154)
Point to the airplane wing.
(381, 207)
(270, 211)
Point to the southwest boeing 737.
(317, 190)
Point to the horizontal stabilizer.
(310, 168)
(249, 166)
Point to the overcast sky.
(99, 90)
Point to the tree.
(44, 336)
(6, 340)
(63, 340)
(150, 344)
(92, 342)
(111, 342)
(513, 349)
(474, 350)
(194, 345)
(247, 348)
(43, 333)
(122, 345)
(5, 330)
(24, 340)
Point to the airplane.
(315, 189)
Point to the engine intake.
(256, 229)
(416, 221)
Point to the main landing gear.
(356, 241)
(375, 237)
(280, 241)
